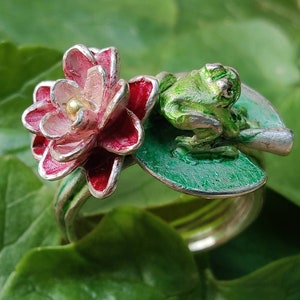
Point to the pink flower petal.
(103, 169)
(108, 59)
(72, 146)
(125, 135)
(55, 124)
(143, 92)
(94, 86)
(86, 121)
(114, 102)
(50, 169)
(62, 91)
(33, 115)
(38, 146)
(76, 62)
(42, 91)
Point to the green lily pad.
(210, 177)
(259, 108)
(205, 177)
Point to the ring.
(201, 133)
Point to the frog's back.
(188, 88)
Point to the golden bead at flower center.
(73, 106)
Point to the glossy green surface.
(205, 176)
(259, 108)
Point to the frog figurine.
(201, 103)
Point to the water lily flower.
(90, 119)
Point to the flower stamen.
(74, 105)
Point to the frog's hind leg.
(216, 152)
(192, 156)
(202, 138)
(202, 145)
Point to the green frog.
(201, 102)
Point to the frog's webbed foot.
(225, 151)
(188, 142)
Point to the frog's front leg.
(202, 143)
(201, 138)
(205, 129)
(202, 129)
(185, 115)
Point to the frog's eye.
(215, 70)
(226, 88)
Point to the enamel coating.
(217, 176)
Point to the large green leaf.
(268, 68)
(284, 171)
(133, 255)
(284, 13)
(26, 216)
(263, 262)
(130, 255)
(274, 235)
(136, 27)
(21, 69)
(279, 280)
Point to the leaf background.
(259, 38)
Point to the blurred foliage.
(260, 38)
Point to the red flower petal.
(103, 169)
(42, 91)
(71, 146)
(33, 115)
(108, 59)
(125, 135)
(76, 62)
(55, 124)
(143, 91)
(50, 169)
(38, 146)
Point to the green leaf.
(272, 236)
(284, 171)
(130, 255)
(21, 69)
(127, 25)
(233, 43)
(26, 216)
(279, 280)
(285, 14)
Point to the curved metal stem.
(203, 223)
(222, 222)
(73, 193)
